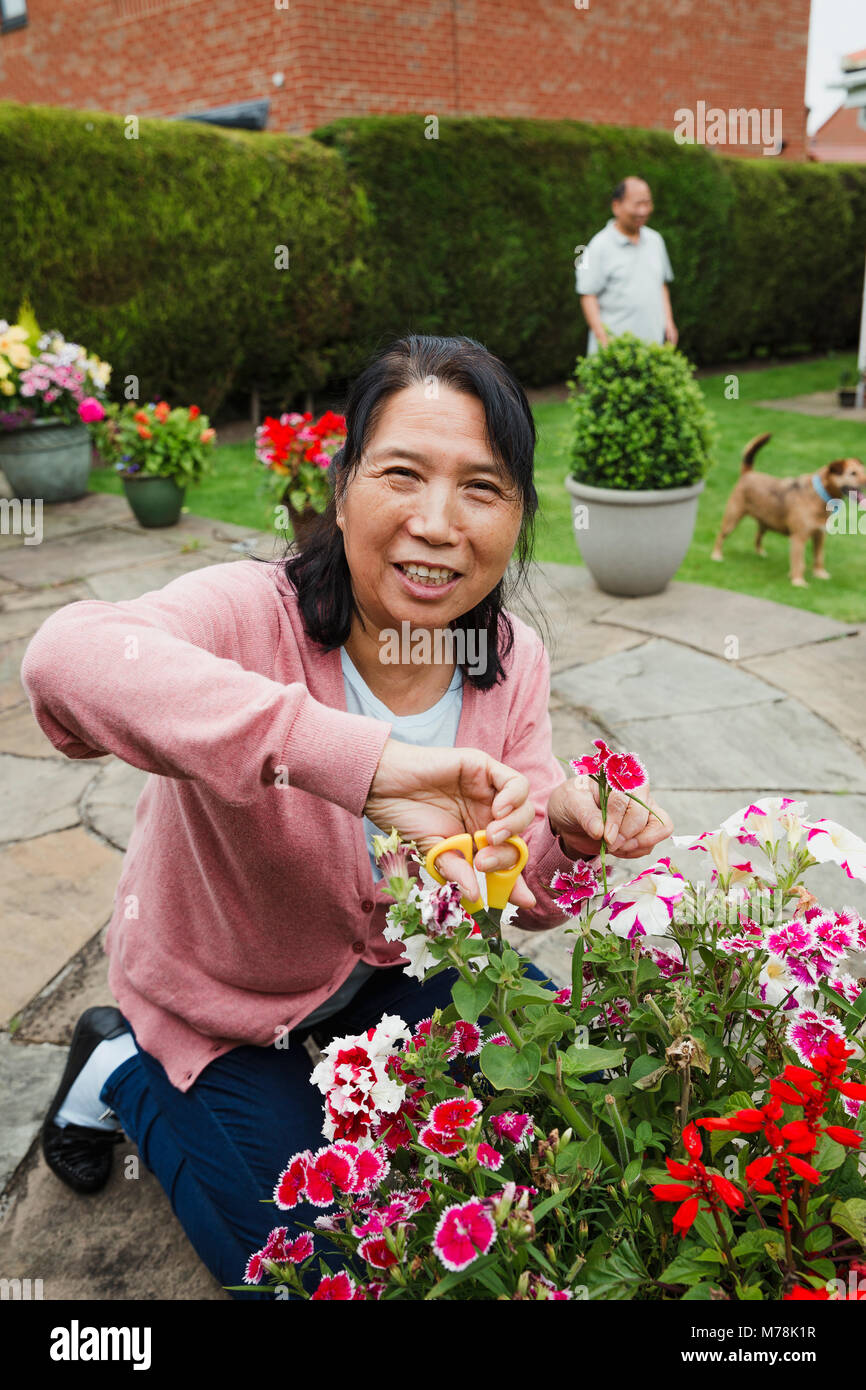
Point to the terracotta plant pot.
(155, 501)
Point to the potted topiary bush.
(641, 447)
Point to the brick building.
(291, 65)
(843, 135)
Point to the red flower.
(697, 1185)
(194, 412)
(338, 1287)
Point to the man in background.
(622, 276)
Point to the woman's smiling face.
(429, 494)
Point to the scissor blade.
(482, 886)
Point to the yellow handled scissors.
(496, 887)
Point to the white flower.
(421, 958)
(830, 842)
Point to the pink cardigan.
(242, 903)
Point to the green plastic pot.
(155, 501)
(47, 459)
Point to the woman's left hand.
(629, 832)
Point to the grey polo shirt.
(627, 278)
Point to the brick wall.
(628, 62)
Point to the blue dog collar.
(822, 491)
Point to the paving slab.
(122, 1243)
(829, 678)
(12, 692)
(210, 531)
(777, 744)
(116, 586)
(20, 734)
(57, 892)
(823, 403)
(572, 731)
(94, 510)
(707, 619)
(74, 558)
(39, 795)
(660, 678)
(81, 984)
(108, 805)
(29, 1076)
(23, 611)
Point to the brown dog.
(797, 507)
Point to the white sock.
(82, 1105)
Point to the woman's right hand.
(430, 794)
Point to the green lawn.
(799, 443)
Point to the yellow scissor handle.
(499, 884)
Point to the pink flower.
(463, 1233)
(441, 912)
(90, 410)
(563, 996)
(466, 1039)
(592, 763)
(573, 887)
(489, 1157)
(445, 1144)
(377, 1253)
(338, 1287)
(300, 1249)
(809, 1031)
(451, 1115)
(255, 1269)
(625, 771)
(500, 1039)
(834, 937)
(292, 1183)
(793, 936)
(511, 1125)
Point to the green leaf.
(549, 1203)
(472, 999)
(850, 1217)
(829, 1155)
(588, 1152)
(684, 1269)
(699, 1293)
(508, 1069)
(632, 1172)
(588, 1059)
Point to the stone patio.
(649, 674)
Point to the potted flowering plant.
(641, 439)
(297, 453)
(45, 448)
(479, 1156)
(157, 451)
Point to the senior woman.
(280, 738)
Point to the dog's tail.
(751, 449)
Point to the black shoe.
(81, 1157)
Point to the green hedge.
(476, 233)
(158, 253)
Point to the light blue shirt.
(627, 278)
(435, 727)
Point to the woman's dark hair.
(320, 572)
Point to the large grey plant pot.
(47, 459)
(633, 543)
